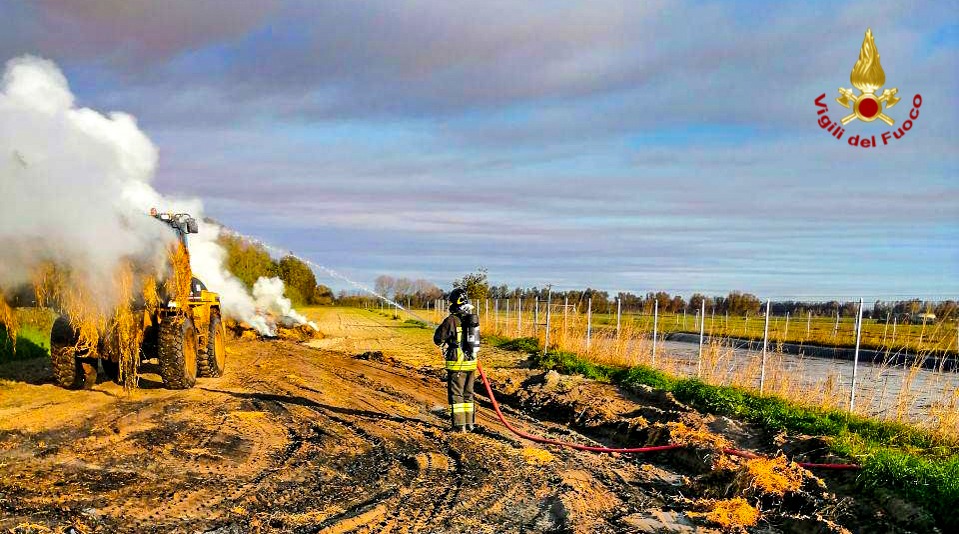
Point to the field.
(348, 434)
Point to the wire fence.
(869, 359)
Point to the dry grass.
(696, 436)
(731, 514)
(113, 322)
(537, 456)
(8, 319)
(178, 283)
(772, 476)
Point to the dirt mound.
(718, 489)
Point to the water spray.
(316, 266)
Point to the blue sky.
(624, 145)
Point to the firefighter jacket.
(459, 352)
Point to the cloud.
(656, 143)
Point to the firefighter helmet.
(458, 297)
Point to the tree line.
(406, 292)
(249, 262)
(735, 303)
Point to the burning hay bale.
(299, 333)
(276, 330)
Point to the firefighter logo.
(867, 76)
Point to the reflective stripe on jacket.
(450, 333)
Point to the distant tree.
(322, 295)
(384, 285)
(476, 284)
(299, 279)
(696, 301)
(743, 303)
(402, 288)
(246, 261)
(947, 309)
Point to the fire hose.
(634, 450)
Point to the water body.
(877, 386)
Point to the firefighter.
(458, 335)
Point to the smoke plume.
(75, 190)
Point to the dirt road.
(323, 438)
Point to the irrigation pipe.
(635, 450)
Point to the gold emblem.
(867, 76)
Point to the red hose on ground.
(658, 448)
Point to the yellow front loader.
(184, 331)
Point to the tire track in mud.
(442, 499)
(352, 446)
(422, 497)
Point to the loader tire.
(178, 352)
(67, 370)
(213, 362)
(112, 369)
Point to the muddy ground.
(349, 434)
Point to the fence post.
(565, 312)
(519, 317)
(894, 319)
(684, 319)
(702, 323)
(855, 359)
(496, 314)
(506, 329)
(885, 329)
(619, 310)
(762, 371)
(536, 316)
(835, 330)
(745, 324)
(655, 324)
(549, 297)
(786, 331)
(808, 323)
(589, 322)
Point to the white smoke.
(268, 294)
(75, 189)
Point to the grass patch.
(30, 343)
(417, 324)
(921, 467)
